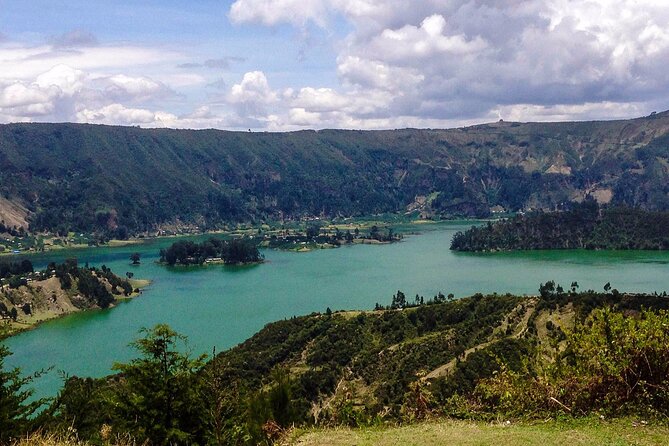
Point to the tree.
(134, 257)
(574, 287)
(399, 300)
(15, 411)
(547, 289)
(313, 230)
(159, 395)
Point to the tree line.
(582, 226)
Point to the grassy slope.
(452, 432)
(571, 433)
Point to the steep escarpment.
(122, 180)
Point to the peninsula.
(29, 297)
(582, 226)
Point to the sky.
(279, 65)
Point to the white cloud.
(376, 74)
(272, 12)
(251, 99)
(48, 83)
(130, 88)
(428, 63)
(320, 99)
(430, 39)
(117, 114)
(587, 111)
(23, 62)
(66, 79)
(19, 95)
(253, 88)
(451, 62)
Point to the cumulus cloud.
(117, 114)
(428, 63)
(19, 95)
(129, 88)
(41, 83)
(458, 61)
(67, 80)
(252, 96)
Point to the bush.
(613, 363)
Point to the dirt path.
(521, 328)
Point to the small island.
(214, 250)
(584, 226)
(315, 236)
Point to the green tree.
(134, 257)
(15, 411)
(272, 408)
(313, 230)
(158, 398)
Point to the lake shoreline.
(223, 306)
(11, 329)
(363, 223)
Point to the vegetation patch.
(583, 226)
(214, 250)
(562, 355)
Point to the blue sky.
(289, 64)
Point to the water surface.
(218, 306)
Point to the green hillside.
(123, 180)
(563, 354)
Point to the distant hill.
(125, 180)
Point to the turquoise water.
(218, 306)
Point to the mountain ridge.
(126, 180)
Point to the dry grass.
(42, 439)
(53, 439)
(453, 432)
